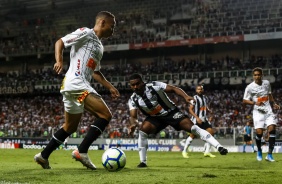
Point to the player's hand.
(259, 103)
(199, 121)
(190, 100)
(131, 130)
(276, 106)
(58, 67)
(114, 93)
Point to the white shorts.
(74, 101)
(263, 120)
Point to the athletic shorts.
(205, 125)
(247, 138)
(173, 119)
(263, 120)
(74, 100)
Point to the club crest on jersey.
(77, 72)
(178, 115)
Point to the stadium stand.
(29, 87)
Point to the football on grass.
(113, 159)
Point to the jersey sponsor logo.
(178, 115)
(91, 63)
(77, 72)
(156, 110)
(263, 99)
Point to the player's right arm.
(191, 111)
(248, 96)
(133, 119)
(59, 48)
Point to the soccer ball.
(114, 159)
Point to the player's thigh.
(71, 122)
(186, 124)
(259, 120)
(149, 128)
(271, 121)
(210, 130)
(97, 106)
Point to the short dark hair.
(257, 69)
(105, 14)
(135, 76)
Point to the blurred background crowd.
(29, 29)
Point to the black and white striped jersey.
(154, 101)
(200, 108)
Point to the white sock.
(187, 143)
(206, 136)
(207, 147)
(143, 146)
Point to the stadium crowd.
(30, 32)
(39, 116)
(169, 65)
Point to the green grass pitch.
(17, 167)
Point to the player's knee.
(143, 134)
(101, 124)
(106, 115)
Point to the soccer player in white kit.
(78, 94)
(258, 93)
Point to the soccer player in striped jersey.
(258, 94)
(160, 111)
(78, 94)
(199, 110)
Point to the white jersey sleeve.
(159, 85)
(247, 94)
(77, 36)
(131, 104)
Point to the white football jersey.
(255, 92)
(85, 56)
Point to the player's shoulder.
(133, 95)
(157, 84)
(251, 85)
(265, 81)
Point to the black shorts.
(247, 138)
(173, 119)
(205, 125)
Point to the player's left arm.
(133, 121)
(59, 48)
(271, 100)
(99, 77)
(180, 92)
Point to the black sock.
(271, 142)
(93, 133)
(258, 141)
(57, 139)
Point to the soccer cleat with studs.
(42, 161)
(84, 159)
(142, 165)
(259, 156)
(222, 150)
(269, 158)
(185, 154)
(209, 155)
